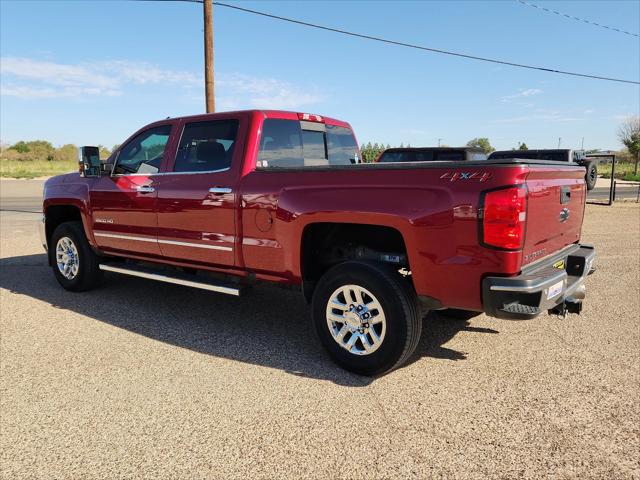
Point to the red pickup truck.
(222, 201)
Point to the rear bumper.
(543, 288)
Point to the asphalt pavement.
(138, 379)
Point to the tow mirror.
(89, 161)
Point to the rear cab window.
(299, 143)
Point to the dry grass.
(35, 168)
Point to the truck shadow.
(268, 327)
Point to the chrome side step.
(176, 279)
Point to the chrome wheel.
(356, 320)
(67, 258)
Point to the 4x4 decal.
(454, 176)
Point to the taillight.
(503, 217)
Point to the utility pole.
(559, 141)
(439, 141)
(209, 90)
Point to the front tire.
(367, 317)
(74, 263)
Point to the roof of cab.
(283, 114)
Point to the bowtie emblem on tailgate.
(564, 215)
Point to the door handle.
(220, 190)
(145, 189)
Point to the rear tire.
(75, 265)
(592, 175)
(367, 317)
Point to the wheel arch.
(324, 244)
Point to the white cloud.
(541, 116)
(28, 78)
(243, 91)
(523, 93)
(33, 79)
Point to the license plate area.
(555, 289)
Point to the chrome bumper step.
(176, 278)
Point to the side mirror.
(89, 161)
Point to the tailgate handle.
(565, 194)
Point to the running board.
(176, 279)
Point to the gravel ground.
(144, 380)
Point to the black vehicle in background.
(558, 155)
(430, 154)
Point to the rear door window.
(206, 146)
(291, 143)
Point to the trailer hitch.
(571, 304)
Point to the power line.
(571, 17)
(409, 45)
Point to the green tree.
(41, 150)
(66, 153)
(629, 135)
(20, 147)
(481, 142)
(104, 151)
(523, 146)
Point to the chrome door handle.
(220, 190)
(145, 189)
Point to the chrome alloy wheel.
(356, 320)
(67, 258)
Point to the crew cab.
(224, 201)
(579, 157)
(430, 154)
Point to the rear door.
(555, 209)
(197, 197)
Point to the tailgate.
(555, 209)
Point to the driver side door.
(123, 205)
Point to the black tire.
(399, 304)
(592, 175)
(88, 274)
(459, 314)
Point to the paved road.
(143, 380)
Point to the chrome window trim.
(170, 173)
(166, 242)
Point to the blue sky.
(90, 72)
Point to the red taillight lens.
(503, 218)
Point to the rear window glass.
(206, 146)
(450, 156)
(396, 157)
(291, 143)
